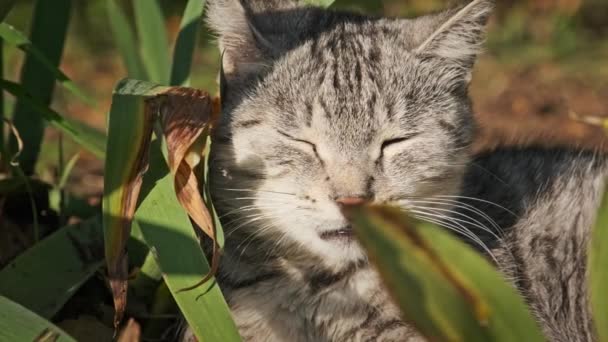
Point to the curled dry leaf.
(186, 115)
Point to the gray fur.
(322, 105)
(554, 196)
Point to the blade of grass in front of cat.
(48, 33)
(186, 42)
(72, 255)
(154, 45)
(443, 287)
(19, 324)
(598, 271)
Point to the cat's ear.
(247, 33)
(243, 47)
(457, 34)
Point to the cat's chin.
(339, 247)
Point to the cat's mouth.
(343, 234)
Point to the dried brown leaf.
(187, 115)
(130, 333)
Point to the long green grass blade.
(125, 40)
(88, 137)
(165, 225)
(153, 39)
(12, 36)
(444, 288)
(186, 42)
(45, 276)
(49, 27)
(598, 272)
(129, 135)
(5, 7)
(19, 324)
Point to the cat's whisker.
(470, 208)
(259, 232)
(249, 219)
(253, 207)
(472, 221)
(473, 210)
(256, 198)
(431, 218)
(257, 191)
(480, 200)
(450, 201)
(277, 244)
(497, 234)
(451, 223)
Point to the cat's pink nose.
(346, 204)
(351, 201)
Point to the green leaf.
(45, 276)
(89, 138)
(5, 8)
(49, 27)
(153, 39)
(125, 40)
(598, 271)
(12, 36)
(186, 42)
(444, 288)
(321, 3)
(19, 324)
(165, 225)
(129, 135)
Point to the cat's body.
(326, 108)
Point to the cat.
(323, 109)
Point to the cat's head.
(324, 107)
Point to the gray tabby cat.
(324, 109)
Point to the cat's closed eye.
(395, 141)
(301, 142)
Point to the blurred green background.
(545, 59)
